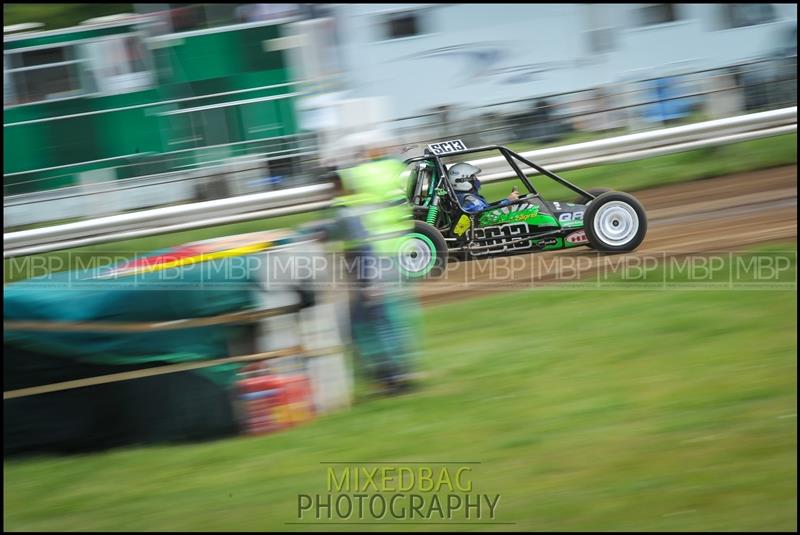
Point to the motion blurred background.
(618, 410)
(184, 102)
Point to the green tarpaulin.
(177, 406)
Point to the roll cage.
(437, 177)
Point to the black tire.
(583, 199)
(613, 220)
(425, 239)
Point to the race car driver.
(464, 179)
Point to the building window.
(601, 40)
(741, 15)
(260, 12)
(44, 74)
(118, 64)
(402, 25)
(8, 91)
(653, 14)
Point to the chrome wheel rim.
(416, 255)
(616, 223)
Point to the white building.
(421, 56)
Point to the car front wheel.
(615, 222)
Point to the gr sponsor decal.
(577, 238)
(567, 217)
(571, 219)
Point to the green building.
(146, 94)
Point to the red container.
(273, 402)
(298, 399)
(259, 399)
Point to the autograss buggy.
(604, 220)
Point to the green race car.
(604, 220)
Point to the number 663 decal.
(497, 236)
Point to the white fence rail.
(101, 194)
(612, 149)
(307, 198)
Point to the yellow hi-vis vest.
(380, 198)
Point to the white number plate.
(446, 147)
(498, 235)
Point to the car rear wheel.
(423, 252)
(615, 222)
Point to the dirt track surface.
(715, 215)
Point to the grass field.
(627, 176)
(597, 410)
